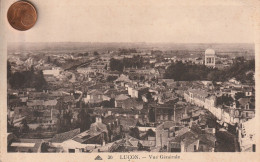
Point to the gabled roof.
(95, 92)
(166, 125)
(132, 103)
(121, 97)
(85, 136)
(123, 78)
(207, 139)
(188, 138)
(59, 138)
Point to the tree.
(138, 124)
(164, 84)
(32, 69)
(142, 78)
(140, 146)
(96, 53)
(85, 120)
(116, 65)
(67, 116)
(40, 82)
(151, 115)
(250, 77)
(25, 127)
(17, 80)
(109, 104)
(192, 72)
(134, 132)
(37, 114)
(239, 95)
(150, 133)
(28, 79)
(86, 54)
(44, 147)
(9, 71)
(227, 100)
(216, 75)
(64, 117)
(111, 78)
(149, 96)
(49, 59)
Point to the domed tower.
(210, 57)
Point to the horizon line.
(142, 42)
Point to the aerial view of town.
(130, 97)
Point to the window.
(195, 147)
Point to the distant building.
(210, 57)
(119, 100)
(163, 113)
(52, 72)
(94, 96)
(192, 140)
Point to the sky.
(225, 21)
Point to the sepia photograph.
(122, 97)
(122, 77)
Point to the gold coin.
(22, 15)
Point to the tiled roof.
(59, 138)
(188, 138)
(84, 136)
(132, 103)
(208, 139)
(121, 97)
(95, 92)
(166, 124)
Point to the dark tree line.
(136, 61)
(187, 72)
(127, 51)
(85, 120)
(26, 79)
(225, 100)
(64, 116)
(192, 72)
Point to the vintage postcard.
(129, 80)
